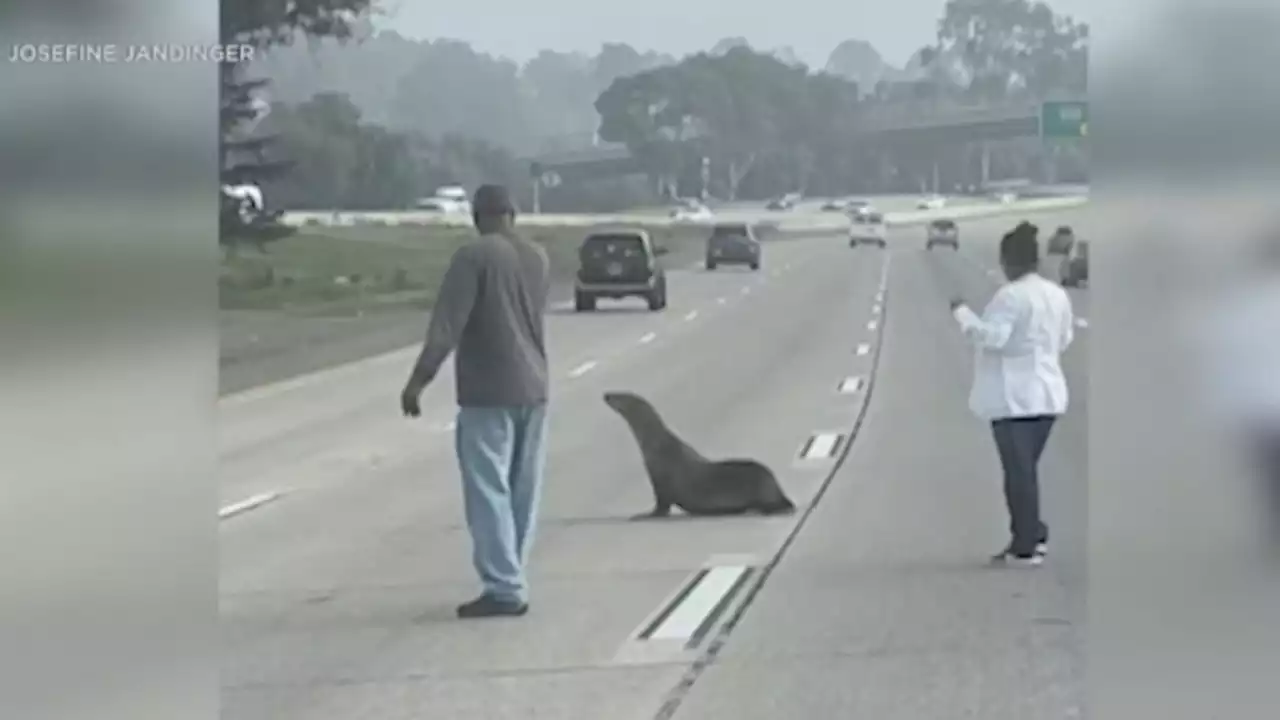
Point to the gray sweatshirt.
(491, 310)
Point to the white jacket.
(1018, 341)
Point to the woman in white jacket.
(1018, 384)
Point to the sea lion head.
(624, 402)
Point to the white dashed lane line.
(582, 369)
(648, 338)
(247, 504)
(1082, 323)
(872, 325)
(692, 314)
(721, 301)
(863, 349)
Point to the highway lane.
(337, 597)
(881, 608)
(303, 431)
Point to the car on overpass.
(942, 232)
(619, 263)
(733, 244)
(931, 202)
(835, 205)
(868, 228)
(780, 203)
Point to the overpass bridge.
(887, 126)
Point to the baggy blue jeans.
(502, 454)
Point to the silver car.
(943, 232)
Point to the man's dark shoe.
(487, 606)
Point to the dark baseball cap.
(492, 200)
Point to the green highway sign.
(1064, 120)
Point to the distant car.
(781, 203)
(617, 264)
(835, 205)
(1004, 198)
(859, 207)
(868, 229)
(692, 212)
(1061, 242)
(943, 232)
(1075, 266)
(931, 202)
(733, 244)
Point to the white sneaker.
(1008, 559)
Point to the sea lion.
(682, 477)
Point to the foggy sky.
(520, 28)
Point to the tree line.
(377, 120)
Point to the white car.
(931, 202)
(868, 228)
(692, 213)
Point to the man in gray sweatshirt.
(491, 309)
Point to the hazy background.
(810, 28)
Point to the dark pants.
(1020, 442)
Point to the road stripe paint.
(880, 297)
(821, 446)
(447, 427)
(872, 325)
(693, 611)
(721, 301)
(850, 385)
(875, 309)
(648, 338)
(582, 369)
(1082, 323)
(863, 349)
(746, 291)
(247, 504)
(692, 314)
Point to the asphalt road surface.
(343, 552)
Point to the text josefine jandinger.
(107, 53)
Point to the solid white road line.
(647, 338)
(851, 385)
(247, 504)
(863, 349)
(582, 369)
(685, 619)
(692, 314)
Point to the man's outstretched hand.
(409, 401)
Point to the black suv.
(733, 244)
(618, 264)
